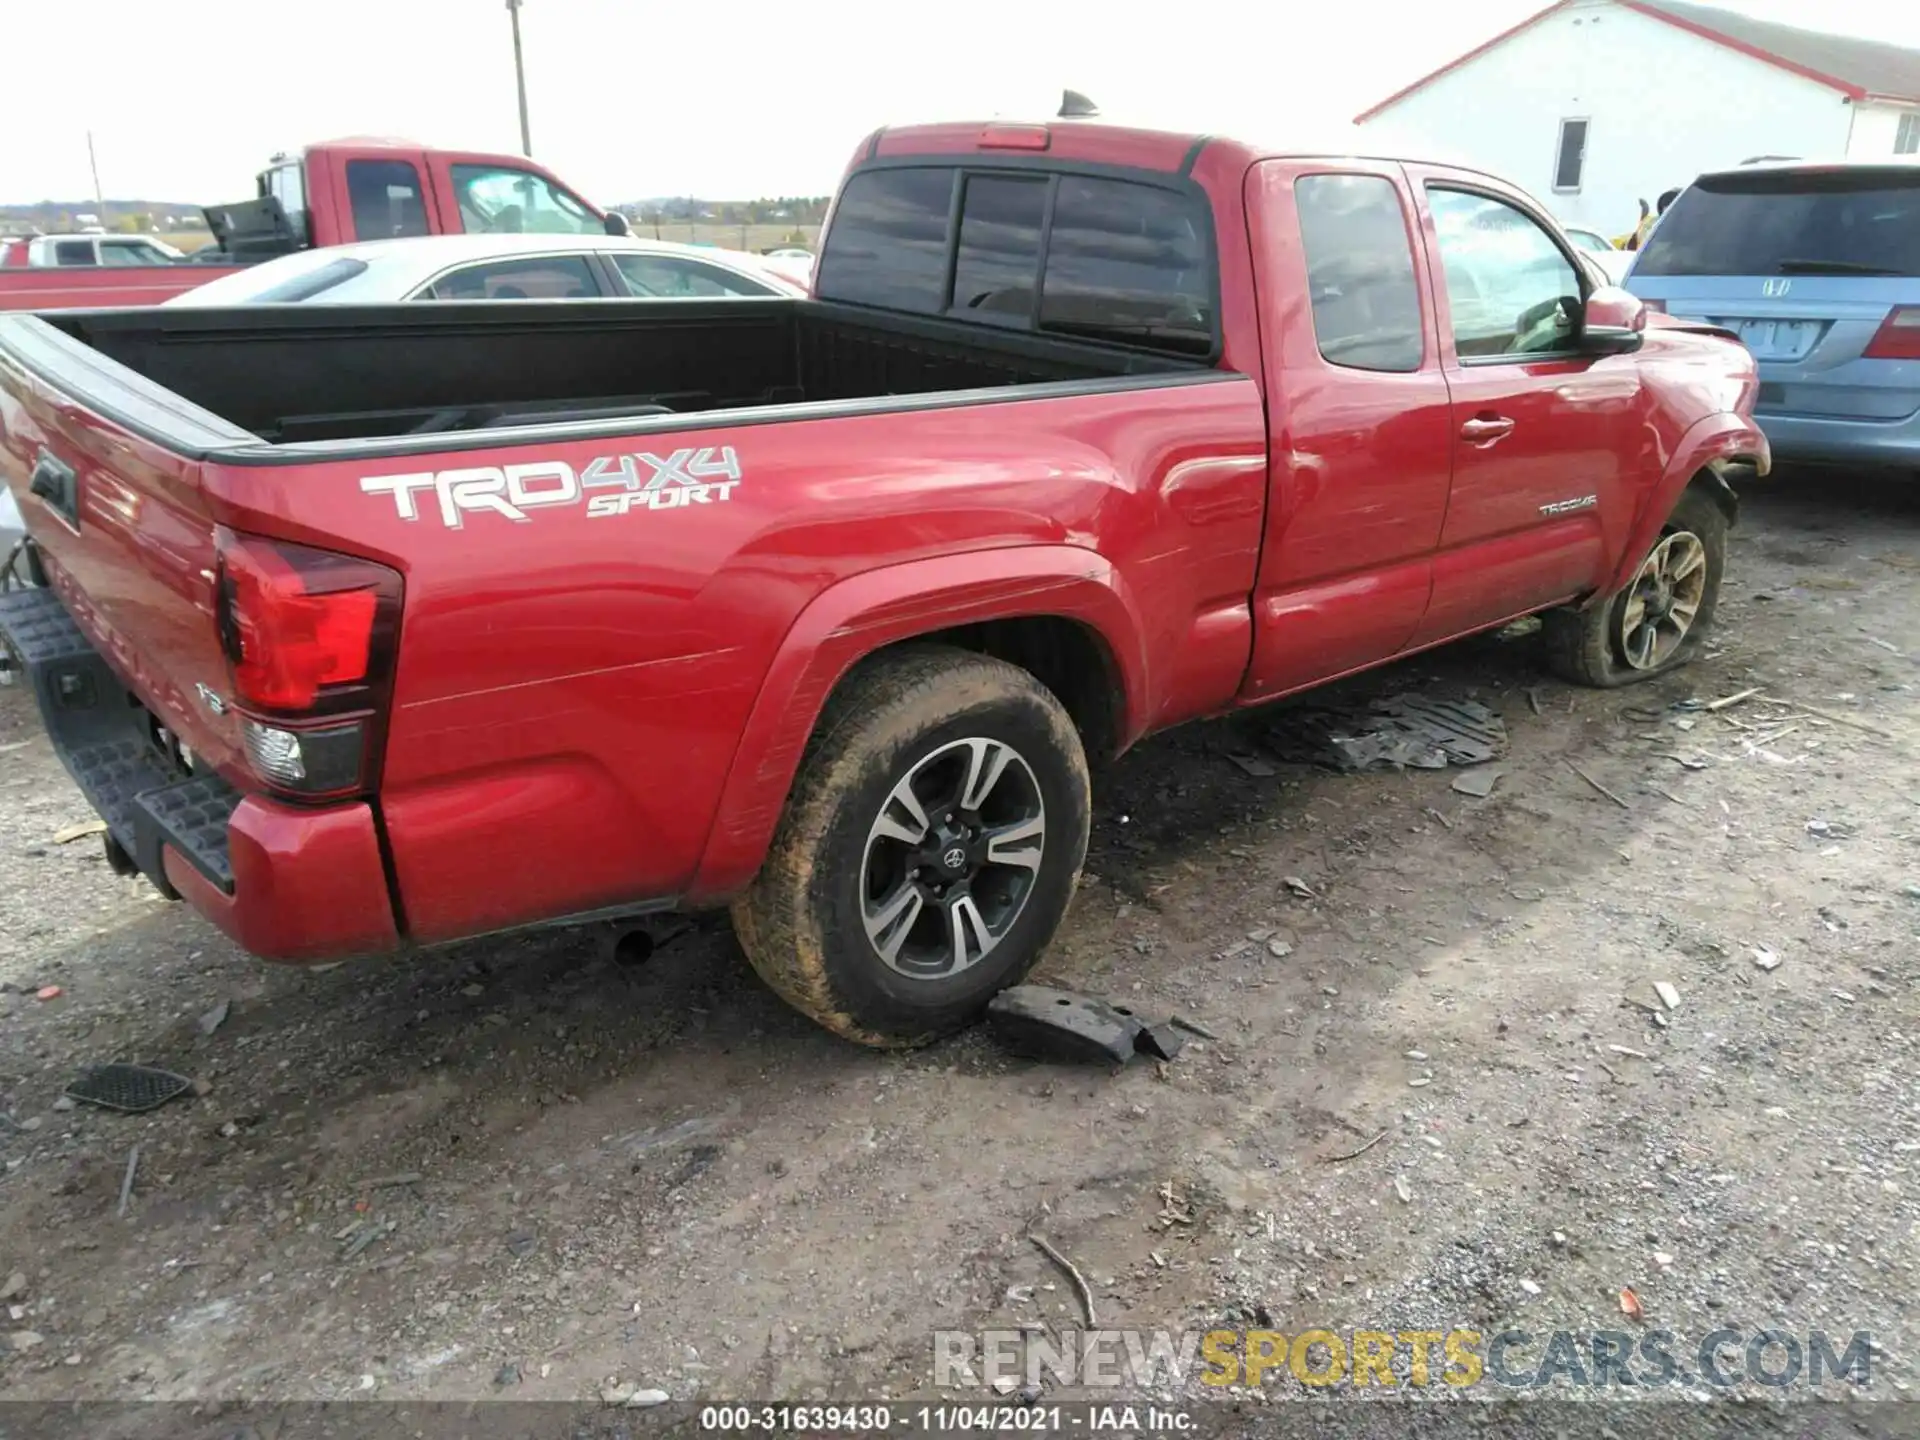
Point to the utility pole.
(520, 78)
(99, 200)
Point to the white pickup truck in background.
(68, 250)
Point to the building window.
(1571, 158)
(1906, 140)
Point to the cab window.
(1125, 262)
(132, 252)
(74, 252)
(286, 184)
(497, 200)
(1512, 290)
(1360, 276)
(386, 199)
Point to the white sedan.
(496, 267)
(1596, 247)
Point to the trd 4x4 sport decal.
(703, 476)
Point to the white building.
(1594, 105)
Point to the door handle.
(1485, 429)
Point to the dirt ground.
(656, 1175)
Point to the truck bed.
(373, 379)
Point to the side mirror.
(617, 224)
(1614, 323)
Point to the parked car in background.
(495, 267)
(1612, 260)
(1817, 268)
(404, 624)
(71, 250)
(330, 194)
(796, 264)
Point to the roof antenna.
(1075, 106)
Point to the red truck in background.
(327, 194)
(367, 629)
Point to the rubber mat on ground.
(129, 1088)
(1390, 731)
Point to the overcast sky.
(728, 99)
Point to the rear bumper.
(1857, 442)
(288, 883)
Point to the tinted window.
(493, 200)
(385, 198)
(887, 245)
(1366, 302)
(542, 277)
(73, 252)
(999, 256)
(1511, 288)
(1834, 222)
(1129, 263)
(665, 276)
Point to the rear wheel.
(1657, 623)
(927, 852)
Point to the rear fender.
(1707, 443)
(866, 613)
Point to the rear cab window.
(1857, 220)
(1360, 272)
(386, 199)
(1113, 259)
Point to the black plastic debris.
(1395, 731)
(1048, 1024)
(132, 1089)
(1162, 1041)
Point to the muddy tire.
(928, 849)
(1658, 622)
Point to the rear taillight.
(1898, 337)
(309, 639)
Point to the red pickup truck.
(386, 627)
(328, 194)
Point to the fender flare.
(1714, 438)
(867, 612)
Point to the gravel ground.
(522, 1168)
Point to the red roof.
(1858, 69)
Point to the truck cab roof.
(1100, 142)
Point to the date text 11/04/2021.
(954, 1419)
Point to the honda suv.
(1817, 268)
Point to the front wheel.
(927, 852)
(1656, 624)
